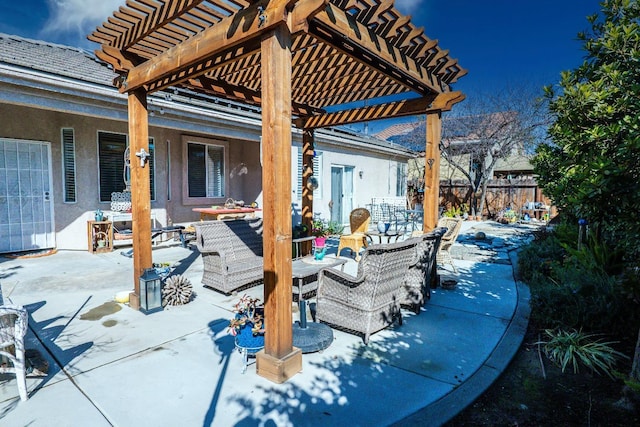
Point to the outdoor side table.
(310, 337)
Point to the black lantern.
(150, 291)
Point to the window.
(299, 177)
(317, 173)
(401, 179)
(69, 165)
(204, 169)
(111, 149)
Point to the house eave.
(41, 90)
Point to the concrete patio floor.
(109, 365)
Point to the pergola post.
(308, 137)
(140, 189)
(279, 360)
(431, 201)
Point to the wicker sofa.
(369, 302)
(422, 275)
(231, 253)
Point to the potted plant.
(321, 231)
(247, 326)
(248, 312)
(335, 228)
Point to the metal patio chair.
(13, 328)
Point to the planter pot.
(320, 242)
(248, 341)
(448, 284)
(383, 227)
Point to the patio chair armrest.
(332, 281)
(215, 259)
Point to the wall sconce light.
(150, 291)
(143, 156)
(360, 174)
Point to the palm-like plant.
(576, 348)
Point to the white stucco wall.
(39, 112)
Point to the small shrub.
(453, 212)
(335, 228)
(576, 289)
(536, 260)
(576, 348)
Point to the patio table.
(310, 337)
(215, 213)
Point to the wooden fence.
(517, 194)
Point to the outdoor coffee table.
(310, 337)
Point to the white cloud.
(70, 21)
(79, 17)
(408, 7)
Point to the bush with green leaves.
(575, 348)
(335, 228)
(590, 164)
(536, 260)
(579, 288)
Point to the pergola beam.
(431, 198)
(252, 97)
(412, 107)
(140, 189)
(279, 360)
(339, 29)
(238, 33)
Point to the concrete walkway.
(109, 365)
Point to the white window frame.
(207, 201)
(152, 160)
(69, 161)
(401, 179)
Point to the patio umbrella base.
(313, 337)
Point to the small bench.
(155, 232)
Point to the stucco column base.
(279, 370)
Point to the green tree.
(486, 128)
(590, 167)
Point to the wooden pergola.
(300, 61)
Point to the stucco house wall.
(45, 88)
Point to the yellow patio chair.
(359, 220)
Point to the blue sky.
(500, 42)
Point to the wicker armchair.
(369, 302)
(453, 226)
(231, 253)
(359, 220)
(13, 328)
(423, 274)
